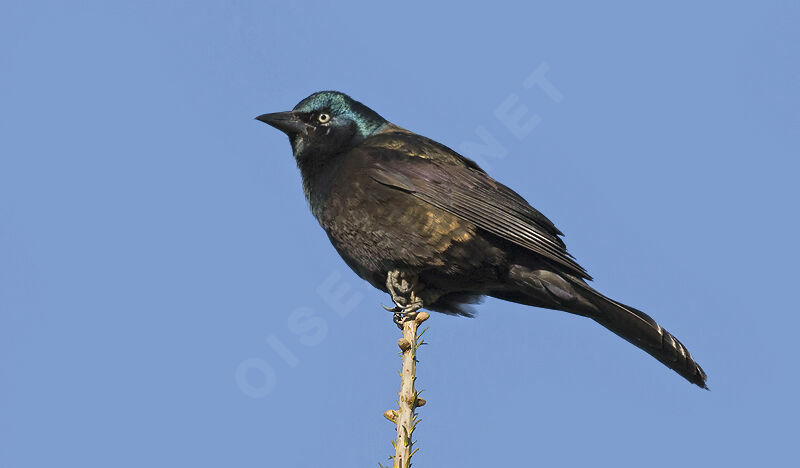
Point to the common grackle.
(396, 203)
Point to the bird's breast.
(376, 228)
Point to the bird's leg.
(401, 285)
(408, 295)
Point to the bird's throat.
(318, 174)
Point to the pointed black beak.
(287, 122)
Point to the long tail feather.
(562, 291)
(641, 330)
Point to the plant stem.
(408, 400)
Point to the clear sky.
(166, 298)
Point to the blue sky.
(166, 298)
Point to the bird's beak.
(287, 122)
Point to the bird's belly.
(383, 231)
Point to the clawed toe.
(404, 288)
(401, 317)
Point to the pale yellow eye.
(324, 118)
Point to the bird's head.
(325, 123)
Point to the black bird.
(394, 201)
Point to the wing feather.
(472, 195)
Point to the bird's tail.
(641, 330)
(552, 290)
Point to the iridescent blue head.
(325, 123)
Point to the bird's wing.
(470, 194)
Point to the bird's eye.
(324, 118)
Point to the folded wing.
(469, 193)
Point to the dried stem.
(408, 400)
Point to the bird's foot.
(402, 286)
(408, 295)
